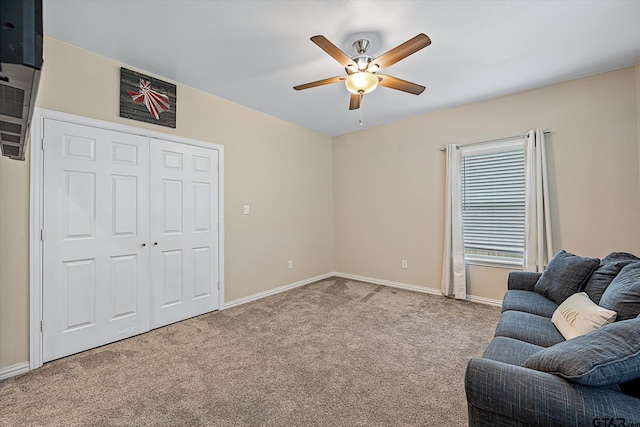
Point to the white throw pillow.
(578, 315)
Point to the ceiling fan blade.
(354, 101)
(399, 84)
(333, 50)
(400, 52)
(320, 82)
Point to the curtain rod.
(546, 132)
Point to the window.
(493, 197)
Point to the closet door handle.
(144, 244)
(155, 243)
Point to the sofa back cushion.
(565, 275)
(623, 294)
(609, 268)
(609, 355)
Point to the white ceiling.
(254, 52)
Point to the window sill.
(511, 265)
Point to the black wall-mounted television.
(21, 43)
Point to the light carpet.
(331, 353)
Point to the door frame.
(36, 211)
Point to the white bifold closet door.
(116, 265)
(184, 231)
(96, 203)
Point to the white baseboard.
(483, 300)
(12, 371)
(399, 285)
(274, 291)
(408, 287)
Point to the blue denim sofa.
(501, 392)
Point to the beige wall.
(638, 108)
(283, 171)
(388, 182)
(14, 261)
(363, 203)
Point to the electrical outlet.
(246, 209)
(404, 263)
(290, 264)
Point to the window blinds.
(493, 191)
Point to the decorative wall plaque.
(147, 99)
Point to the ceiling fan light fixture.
(361, 69)
(361, 82)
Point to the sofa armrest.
(499, 392)
(522, 280)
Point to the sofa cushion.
(623, 294)
(529, 302)
(609, 268)
(509, 350)
(620, 256)
(527, 327)
(606, 356)
(565, 275)
(578, 315)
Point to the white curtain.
(538, 247)
(454, 280)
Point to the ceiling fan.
(361, 69)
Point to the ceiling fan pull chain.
(360, 110)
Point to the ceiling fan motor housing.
(362, 60)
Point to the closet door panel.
(96, 207)
(184, 231)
